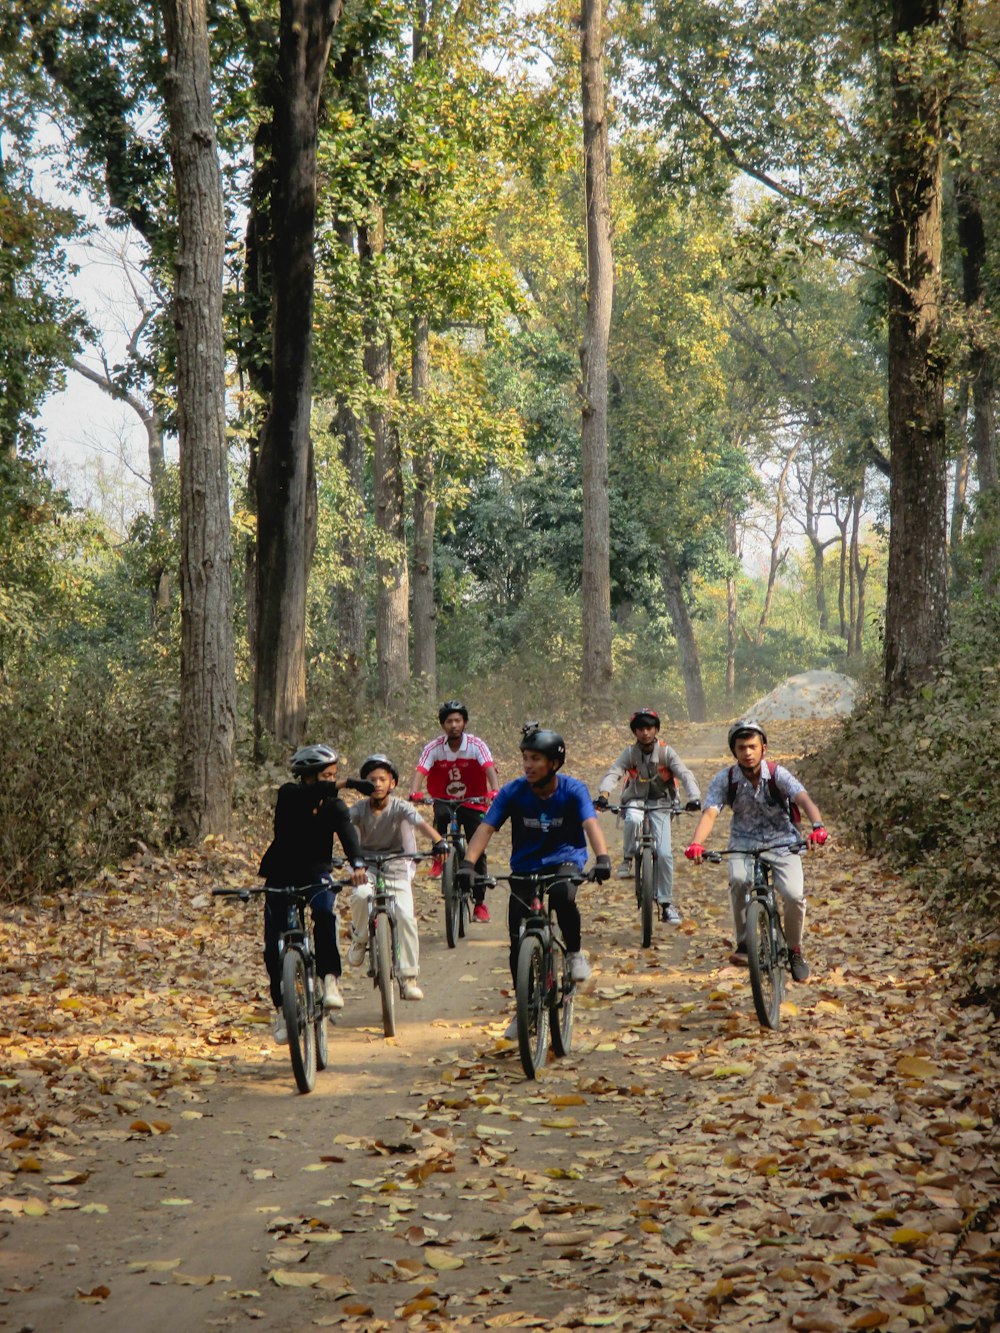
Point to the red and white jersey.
(456, 775)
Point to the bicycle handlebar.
(657, 803)
(539, 878)
(379, 859)
(716, 857)
(284, 890)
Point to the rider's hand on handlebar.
(602, 801)
(467, 873)
(693, 805)
(441, 847)
(818, 836)
(695, 852)
(602, 868)
(359, 875)
(417, 797)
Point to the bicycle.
(545, 992)
(644, 857)
(383, 945)
(768, 954)
(301, 993)
(457, 896)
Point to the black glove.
(602, 869)
(360, 784)
(467, 873)
(693, 805)
(601, 803)
(441, 847)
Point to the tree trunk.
(392, 592)
(687, 648)
(424, 512)
(855, 643)
(349, 597)
(596, 672)
(731, 609)
(206, 762)
(286, 483)
(916, 617)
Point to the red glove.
(695, 852)
(416, 796)
(818, 836)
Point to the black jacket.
(305, 819)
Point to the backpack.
(662, 770)
(776, 798)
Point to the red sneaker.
(480, 912)
(437, 866)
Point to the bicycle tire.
(644, 879)
(383, 973)
(532, 1013)
(301, 1031)
(766, 977)
(463, 898)
(322, 1046)
(452, 900)
(561, 1011)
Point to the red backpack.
(774, 793)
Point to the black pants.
(562, 897)
(469, 820)
(324, 914)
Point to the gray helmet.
(313, 759)
(379, 761)
(548, 743)
(744, 725)
(452, 706)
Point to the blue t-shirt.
(543, 833)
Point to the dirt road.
(680, 1169)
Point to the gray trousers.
(786, 876)
(664, 864)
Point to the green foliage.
(85, 772)
(916, 782)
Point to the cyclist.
(552, 820)
(385, 823)
(761, 796)
(458, 767)
(307, 814)
(651, 770)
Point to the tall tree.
(285, 480)
(596, 584)
(206, 763)
(916, 623)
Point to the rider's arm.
(492, 778)
(615, 773)
(595, 836)
(683, 774)
(809, 807)
(479, 842)
(705, 825)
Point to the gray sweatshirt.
(651, 775)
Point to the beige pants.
(406, 922)
(786, 876)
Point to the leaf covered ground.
(680, 1170)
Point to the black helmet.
(644, 717)
(313, 759)
(379, 761)
(740, 728)
(548, 743)
(452, 706)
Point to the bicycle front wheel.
(452, 900)
(532, 1014)
(766, 977)
(322, 1049)
(383, 967)
(644, 889)
(301, 1033)
(561, 1011)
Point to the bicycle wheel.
(383, 972)
(644, 887)
(301, 1032)
(532, 1014)
(452, 900)
(766, 977)
(322, 1050)
(561, 1009)
(463, 898)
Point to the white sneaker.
(278, 1030)
(671, 915)
(624, 871)
(356, 953)
(332, 998)
(409, 990)
(579, 968)
(510, 1032)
